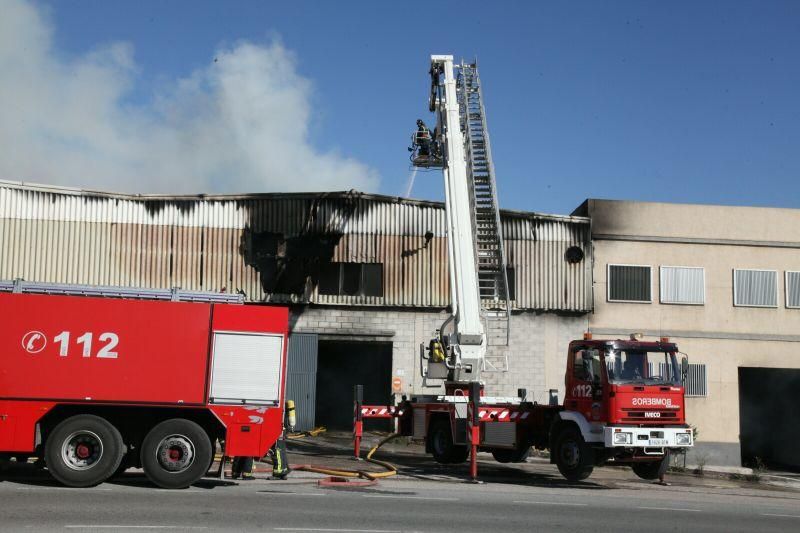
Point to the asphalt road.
(31, 501)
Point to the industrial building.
(366, 279)
(365, 276)
(724, 283)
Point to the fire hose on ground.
(303, 434)
(391, 470)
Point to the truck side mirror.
(684, 368)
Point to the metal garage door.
(301, 378)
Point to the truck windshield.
(638, 366)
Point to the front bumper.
(647, 437)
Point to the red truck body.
(605, 417)
(119, 355)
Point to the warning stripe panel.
(380, 411)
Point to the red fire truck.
(624, 404)
(96, 384)
(624, 398)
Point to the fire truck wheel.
(176, 453)
(441, 444)
(574, 458)
(83, 451)
(515, 455)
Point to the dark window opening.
(629, 283)
(329, 278)
(372, 279)
(351, 279)
(511, 276)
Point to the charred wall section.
(275, 247)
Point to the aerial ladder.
(459, 145)
(605, 416)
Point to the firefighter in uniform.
(423, 139)
(280, 464)
(242, 467)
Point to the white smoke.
(240, 124)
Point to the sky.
(682, 101)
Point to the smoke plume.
(239, 124)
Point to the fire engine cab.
(626, 397)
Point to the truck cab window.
(586, 365)
(640, 366)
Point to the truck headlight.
(684, 439)
(623, 438)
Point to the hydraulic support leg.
(474, 428)
(358, 419)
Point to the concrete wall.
(537, 351)
(718, 334)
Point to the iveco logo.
(34, 342)
(652, 415)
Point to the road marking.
(117, 526)
(399, 497)
(65, 488)
(670, 509)
(553, 503)
(276, 493)
(337, 530)
(781, 515)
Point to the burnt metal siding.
(536, 247)
(246, 242)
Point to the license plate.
(658, 442)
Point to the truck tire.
(83, 451)
(459, 455)
(440, 443)
(651, 470)
(514, 455)
(574, 458)
(176, 453)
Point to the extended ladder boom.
(459, 145)
(469, 340)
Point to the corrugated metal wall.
(301, 378)
(216, 242)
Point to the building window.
(755, 288)
(351, 279)
(629, 283)
(511, 276)
(695, 383)
(682, 285)
(793, 290)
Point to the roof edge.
(58, 189)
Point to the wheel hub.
(81, 450)
(570, 453)
(175, 453)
